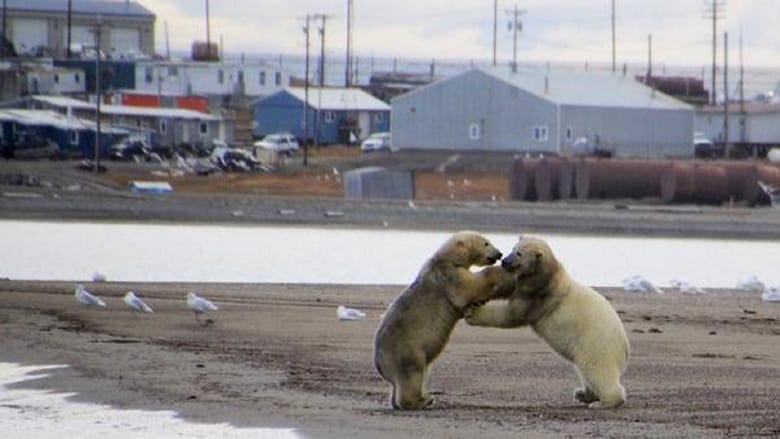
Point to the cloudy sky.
(553, 30)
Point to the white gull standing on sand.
(85, 298)
(136, 303)
(346, 313)
(640, 284)
(199, 305)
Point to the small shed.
(335, 115)
(378, 183)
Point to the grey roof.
(92, 7)
(339, 98)
(587, 88)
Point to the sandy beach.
(277, 356)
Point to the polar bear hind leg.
(408, 391)
(605, 385)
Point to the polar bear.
(575, 320)
(418, 323)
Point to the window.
(569, 134)
(221, 76)
(204, 128)
(330, 117)
(540, 133)
(379, 117)
(138, 123)
(262, 78)
(173, 71)
(278, 78)
(77, 78)
(474, 131)
(56, 79)
(74, 137)
(149, 75)
(163, 126)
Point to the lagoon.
(133, 252)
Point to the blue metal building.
(335, 115)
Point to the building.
(223, 78)
(753, 127)
(542, 111)
(73, 136)
(40, 27)
(335, 115)
(170, 126)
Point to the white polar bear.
(575, 320)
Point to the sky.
(576, 31)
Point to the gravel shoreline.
(61, 192)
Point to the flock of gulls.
(637, 283)
(197, 304)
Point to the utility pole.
(306, 96)
(495, 29)
(649, 59)
(208, 33)
(726, 93)
(70, 13)
(613, 37)
(348, 69)
(515, 25)
(321, 77)
(714, 13)
(98, 93)
(321, 30)
(742, 126)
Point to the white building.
(40, 27)
(209, 78)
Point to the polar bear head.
(531, 258)
(467, 248)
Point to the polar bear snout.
(493, 257)
(509, 261)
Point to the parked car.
(376, 142)
(28, 146)
(703, 147)
(283, 143)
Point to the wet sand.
(277, 356)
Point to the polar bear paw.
(585, 395)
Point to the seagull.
(199, 305)
(136, 303)
(85, 298)
(345, 313)
(640, 284)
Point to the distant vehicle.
(703, 147)
(28, 146)
(376, 142)
(283, 143)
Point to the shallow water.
(239, 253)
(41, 414)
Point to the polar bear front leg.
(498, 314)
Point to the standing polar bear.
(417, 325)
(575, 320)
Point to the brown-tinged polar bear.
(575, 320)
(417, 325)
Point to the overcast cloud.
(562, 30)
